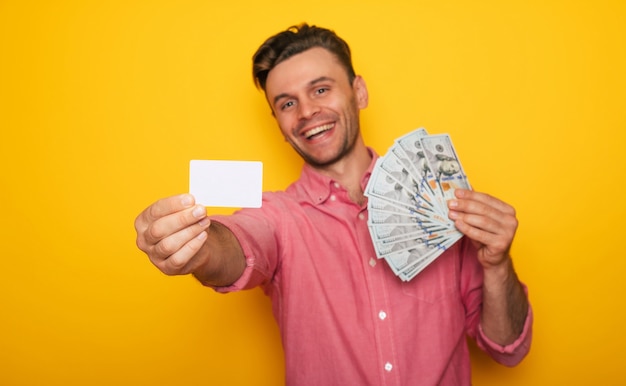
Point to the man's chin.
(325, 159)
(321, 161)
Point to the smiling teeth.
(318, 130)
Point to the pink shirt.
(344, 317)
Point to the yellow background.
(103, 103)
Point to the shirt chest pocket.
(436, 282)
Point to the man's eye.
(321, 90)
(287, 105)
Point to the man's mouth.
(317, 130)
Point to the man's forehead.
(302, 69)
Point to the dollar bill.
(444, 165)
(403, 263)
(411, 270)
(395, 168)
(389, 194)
(408, 150)
(400, 217)
(402, 233)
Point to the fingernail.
(187, 200)
(204, 222)
(198, 211)
(453, 203)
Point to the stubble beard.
(346, 148)
(352, 130)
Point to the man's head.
(315, 96)
(295, 40)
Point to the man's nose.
(307, 109)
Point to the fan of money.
(407, 194)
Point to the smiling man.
(344, 318)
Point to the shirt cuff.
(512, 347)
(241, 283)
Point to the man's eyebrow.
(311, 83)
(321, 79)
(279, 97)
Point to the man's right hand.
(171, 232)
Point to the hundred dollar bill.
(385, 223)
(388, 226)
(382, 212)
(407, 263)
(395, 168)
(382, 186)
(395, 233)
(411, 270)
(444, 164)
(379, 204)
(398, 165)
(385, 249)
(409, 150)
(434, 241)
(399, 217)
(387, 230)
(418, 265)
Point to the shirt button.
(372, 262)
(336, 185)
(333, 197)
(388, 366)
(382, 315)
(361, 216)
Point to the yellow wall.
(103, 103)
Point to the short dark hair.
(294, 40)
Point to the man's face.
(316, 107)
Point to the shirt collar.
(318, 187)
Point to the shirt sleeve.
(511, 354)
(471, 288)
(256, 231)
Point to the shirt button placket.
(382, 315)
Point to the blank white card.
(236, 184)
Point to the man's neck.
(349, 171)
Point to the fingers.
(171, 232)
(485, 199)
(484, 218)
(184, 258)
(160, 209)
(166, 246)
(167, 206)
(170, 224)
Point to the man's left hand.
(487, 221)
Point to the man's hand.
(171, 232)
(491, 225)
(487, 221)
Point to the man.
(345, 319)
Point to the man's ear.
(360, 90)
